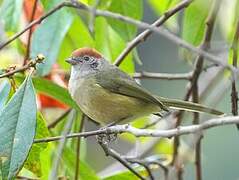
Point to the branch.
(144, 35)
(59, 119)
(206, 43)
(103, 141)
(30, 32)
(167, 76)
(170, 36)
(31, 63)
(37, 21)
(161, 31)
(234, 94)
(181, 130)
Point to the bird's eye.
(86, 58)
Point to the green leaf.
(10, 13)
(77, 36)
(133, 9)
(126, 175)
(51, 89)
(33, 162)
(5, 88)
(48, 37)
(228, 17)
(110, 44)
(194, 21)
(17, 129)
(161, 6)
(85, 171)
(103, 4)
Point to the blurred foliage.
(56, 37)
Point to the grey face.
(83, 60)
(84, 65)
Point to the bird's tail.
(189, 106)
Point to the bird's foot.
(108, 137)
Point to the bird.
(107, 95)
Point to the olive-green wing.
(118, 82)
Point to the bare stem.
(31, 63)
(30, 33)
(181, 130)
(234, 93)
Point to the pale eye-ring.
(86, 58)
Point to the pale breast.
(104, 106)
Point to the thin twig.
(60, 148)
(181, 130)
(144, 35)
(30, 33)
(31, 63)
(193, 85)
(37, 21)
(110, 152)
(159, 30)
(58, 120)
(92, 16)
(143, 163)
(78, 145)
(166, 76)
(170, 36)
(198, 69)
(234, 93)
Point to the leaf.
(5, 88)
(85, 171)
(228, 16)
(51, 89)
(161, 6)
(110, 44)
(126, 175)
(48, 37)
(103, 4)
(17, 129)
(77, 36)
(10, 13)
(33, 162)
(133, 9)
(194, 21)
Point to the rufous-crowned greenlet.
(108, 95)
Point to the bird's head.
(86, 60)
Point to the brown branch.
(166, 76)
(199, 66)
(30, 33)
(234, 93)
(31, 63)
(170, 36)
(104, 143)
(159, 30)
(37, 21)
(144, 35)
(194, 88)
(58, 120)
(143, 163)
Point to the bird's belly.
(106, 107)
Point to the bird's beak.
(71, 61)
